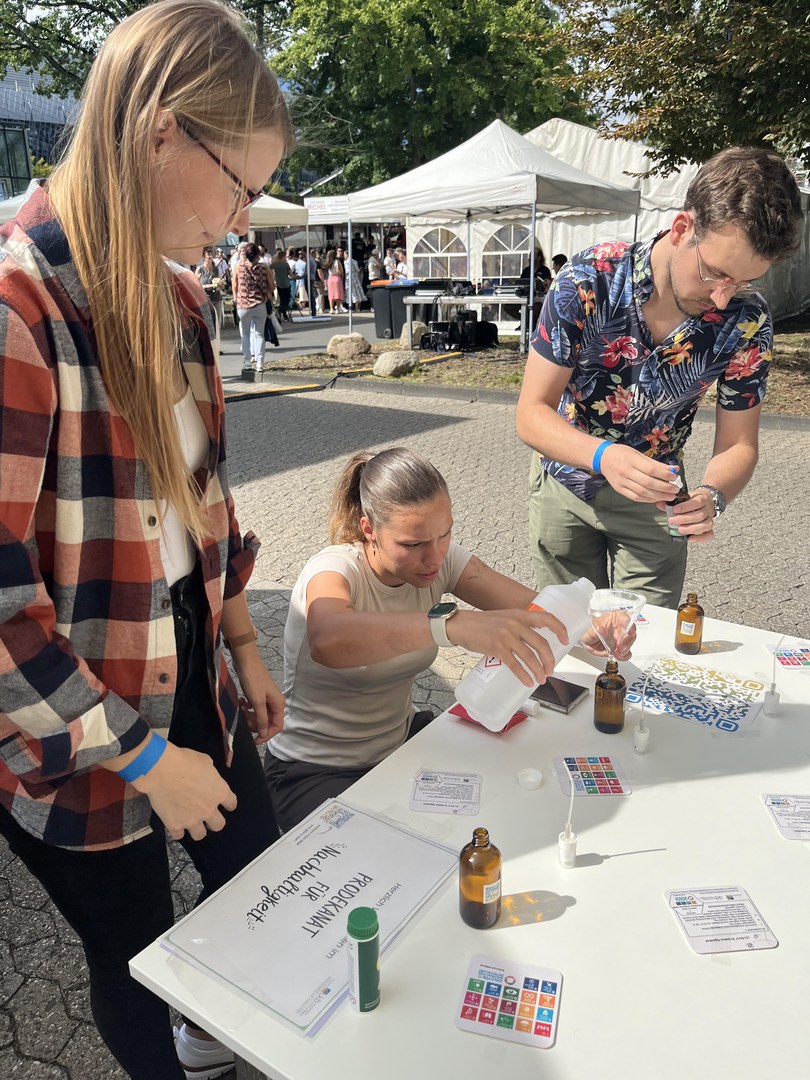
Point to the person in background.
(213, 283)
(281, 271)
(375, 266)
(124, 568)
(253, 289)
(236, 255)
(558, 262)
(630, 338)
(335, 288)
(358, 296)
(390, 263)
(403, 271)
(359, 630)
(542, 274)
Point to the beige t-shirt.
(353, 716)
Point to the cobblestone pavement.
(285, 454)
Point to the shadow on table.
(521, 909)
(592, 858)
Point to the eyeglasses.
(252, 196)
(719, 282)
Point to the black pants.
(284, 301)
(118, 901)
(299, 787)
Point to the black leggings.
(299, 787)
(118, 901)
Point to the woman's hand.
(263, 702)
(509, 635)
(186, 792)
(621, 650)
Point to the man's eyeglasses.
(251, 196)
(719, 282)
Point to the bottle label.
(687, 628)
(492, 892)
(488, 667)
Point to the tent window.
(439, 254)
(506, 252)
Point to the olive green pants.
(614, 542)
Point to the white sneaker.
(201, 1059)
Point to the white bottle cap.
(641, 740)
(531, 707)
(567, 848)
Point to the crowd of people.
(124, 567)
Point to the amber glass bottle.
(682, 496)
(479, 881)
(608, 705)
(689, 627)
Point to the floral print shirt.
(625, 388)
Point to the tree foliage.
(59, 40)
(381, 87)
(690, 77)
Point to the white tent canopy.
(494, 170)
(268, 211)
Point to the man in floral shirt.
(630, 338)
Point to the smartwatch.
(437, 618)
(718, 498)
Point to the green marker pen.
(363, 949)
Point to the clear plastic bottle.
(490, 693)
(479, 881)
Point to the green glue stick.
(364, 959)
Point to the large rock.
(396, 362)
(348, 346)
(419, 328)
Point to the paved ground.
(285, 453)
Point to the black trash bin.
(381, 305)
(397, 291)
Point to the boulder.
(396, 362)
(419, 328)
(347, 347)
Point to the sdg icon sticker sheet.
(594, 774)
(508, 1000)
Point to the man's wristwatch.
(437, 619)
(718, 498)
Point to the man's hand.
(693, 518)
(186, 792)
(636, 476)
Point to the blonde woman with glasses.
(123, 565)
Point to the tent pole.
(533, 239)
(348, 263)
(635, 227)
(469, 245)
(309, 282)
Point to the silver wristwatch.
(437, 620)
(718, 498)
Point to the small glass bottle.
(364, 959)
(608, 705)
(682, 496)
(479, 881)
(689, 626)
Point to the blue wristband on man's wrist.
(597, 457)
(146, 760)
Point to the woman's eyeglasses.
(252, 196)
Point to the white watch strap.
(438, 629)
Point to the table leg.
(244, 1071)
(409, 323)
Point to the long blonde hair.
(193, 59)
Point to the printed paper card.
(791, 815)
(446, 792)
(720, 920)
(698, 694)
(505, 999)
(277, 932)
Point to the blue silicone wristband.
(597, 457)
(146, 760)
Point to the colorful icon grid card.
(508, 1000)
(592, 774)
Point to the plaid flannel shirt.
(87, 649)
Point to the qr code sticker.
(700, 695)
(336, 816)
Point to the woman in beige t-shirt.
(358, 630)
